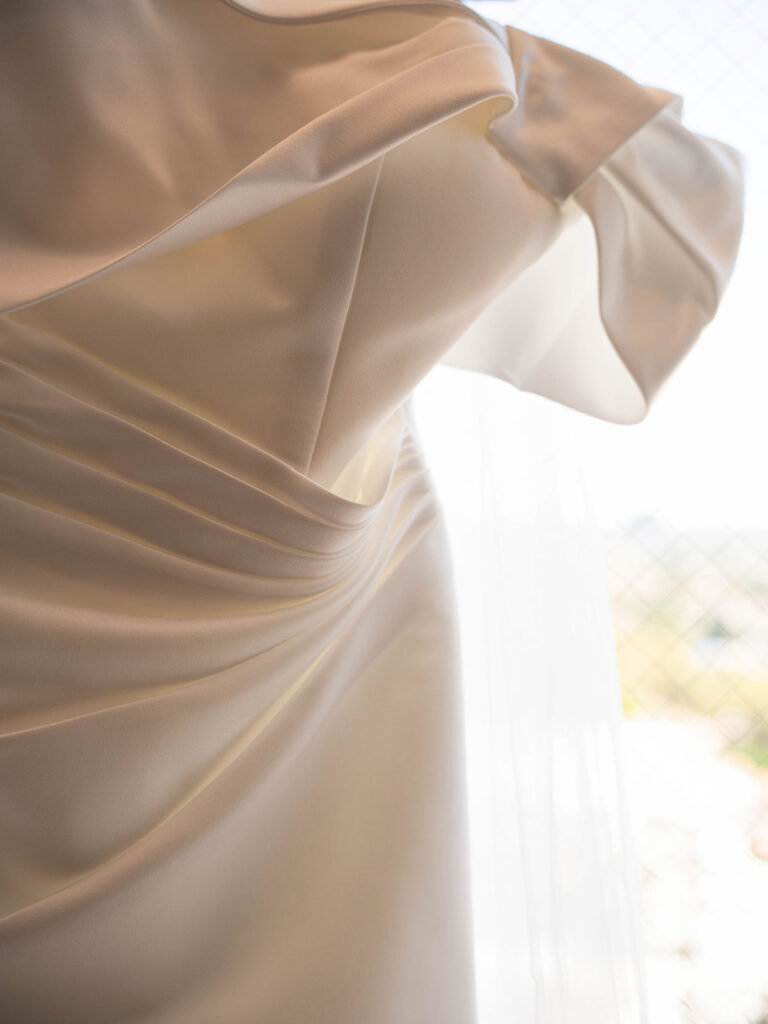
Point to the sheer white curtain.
(558, 927)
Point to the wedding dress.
(235, 236)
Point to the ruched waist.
(140, 555)
(68, 455)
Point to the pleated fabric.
(234, 237)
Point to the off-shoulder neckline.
(295, 10)
(318, 10)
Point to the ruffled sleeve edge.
(651, 221)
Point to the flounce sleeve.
(650, 218)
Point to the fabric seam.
(345, 320)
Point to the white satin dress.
(234, 236)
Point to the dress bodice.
(308, 211)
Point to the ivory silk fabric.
(234, 237)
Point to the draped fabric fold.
(285, 118)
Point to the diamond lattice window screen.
(683, 502)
